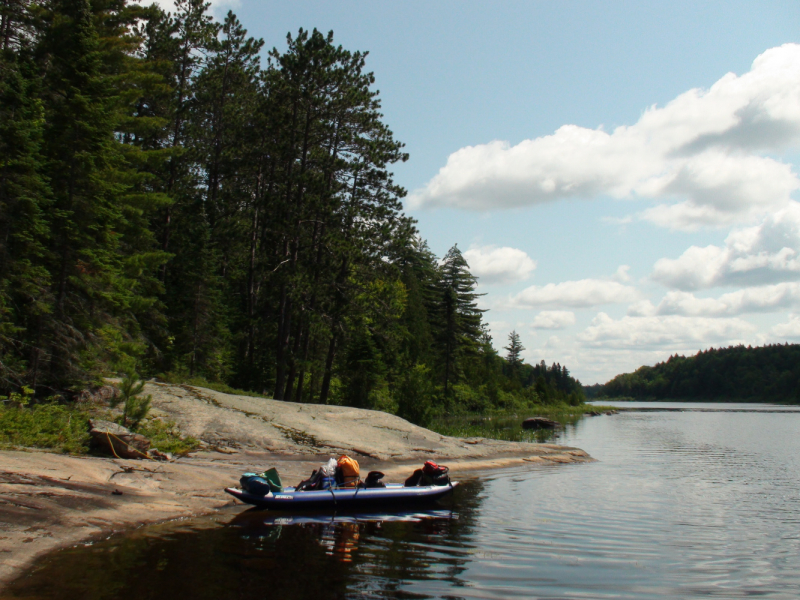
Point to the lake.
(681, 504)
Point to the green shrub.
(134, 406)
(166, 437)
(51, 426)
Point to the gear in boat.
(337, 485)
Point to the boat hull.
(346, 498)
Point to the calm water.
(680, 505)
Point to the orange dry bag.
(348, 467)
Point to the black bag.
(373, 480)
(429, 474)
(433, 474)
(415, 479)
(310, 483)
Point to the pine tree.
(460, 329)
(177, 49)
(181, 45)
(79, 151)
(135, 407)
(334, 206)
(515, 348)
(96, 250)
(226, 97)
(24, 200)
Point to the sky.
(621, 177)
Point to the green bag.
(274, 480)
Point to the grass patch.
(51, 426)
(166, 437)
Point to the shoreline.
(52, 501)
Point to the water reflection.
(263, 554)
(338, 533)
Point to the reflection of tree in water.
(251, 558)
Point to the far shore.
(49, 501)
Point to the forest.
(175, 200)
(738, 373)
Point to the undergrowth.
(166, 437)
(60, 427)
(51, 426)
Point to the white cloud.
(553, 319)
(499, 265)
(622, 274)
(574, 294)
(789, 330)
(768, 298)
(766, 253)
(701, 148)
(663, 331)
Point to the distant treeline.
(762, 374)
(168, 200)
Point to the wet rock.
(540, 423)
(118, 440)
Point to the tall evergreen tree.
(460, 316)
(24, 200)
(515, 348)
(334, 205)
(225, 95)
(94, 260)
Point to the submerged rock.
(118, 440)
(540, 423)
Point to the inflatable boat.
(395, 494)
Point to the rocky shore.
(50, 500)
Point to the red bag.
(431, 469)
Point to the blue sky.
(604, 248)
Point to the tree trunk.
(293, 361)
(304, 353)
(326, 379)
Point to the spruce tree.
(515, 349)
(24, 200)
(460, 324)
(90, 180)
